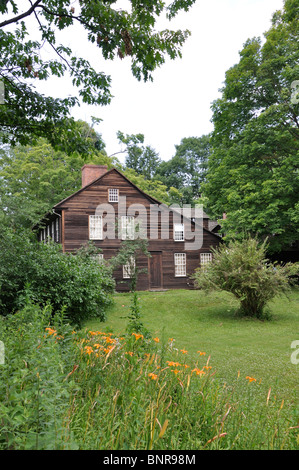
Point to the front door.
(155, 270)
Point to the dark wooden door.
(155, 270)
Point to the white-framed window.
(129, 268)
(57, 230)
(113, 195)
(95, 227)
(48, 233)
(180, 264)
(127, 227)
(205, 258)
(53, 230)
(178, 232)
(99, 258)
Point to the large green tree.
(113, 31)
(253, 169)
(186, 170)
(35, 177)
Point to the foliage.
(186, 170)
(242, 269)
(144, 160)
(253, 169)
(116, 32)
(35, 178)
(62, 389)
(34, 392)
(154, 188)
(44, 274)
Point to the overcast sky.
(177, 104)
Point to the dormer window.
(113, 195)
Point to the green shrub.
(243, 270)
(44, 274)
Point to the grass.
(237, 346)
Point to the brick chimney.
(91, 173)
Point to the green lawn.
(207, 322)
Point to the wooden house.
(177, 244)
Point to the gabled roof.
(60, 204)
(155, 201)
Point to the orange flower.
(250, 379)
(201, 353)
(184, 351)
(130, 353)
(173, 364)
(88, 350)
(137, 335)
(175, 371)
(153, 376)
(198, 371)
(156, 339)
(51, 331)
(207, 367)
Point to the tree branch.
(20, 17)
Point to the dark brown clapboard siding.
(75, 232)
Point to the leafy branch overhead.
(115, 32)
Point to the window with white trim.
(129, 268)
(205, 258)
(180, 264)
(113, 195)
(57, 230)
(95, 227)
(127, 227)
(48, 233)
(178, 232)
(53, 230)
(99, 257)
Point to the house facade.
(106, 211)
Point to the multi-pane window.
(113, 195)
(178, 232)
(205, 258)
(180, 264)
(127, 227)
(95, 227)
(129, 268)
(99, 257)
(57, 230)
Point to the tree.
(144, 160)
(34, 178)
(186, 170)
(243, 270)
(116, 32)
(253, 168)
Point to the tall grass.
(62, 389)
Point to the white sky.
(177, 104)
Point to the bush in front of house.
(242, 269)
(42, 273)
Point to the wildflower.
(137, 335)
(250, 379)
(153, 376)
(156, 340)
(88, 350)
(51, 331)
(184, 351)
(175, 371)
(201, 353)
(207, 367)
(130, 353)
(198, 371)
(173, 364)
